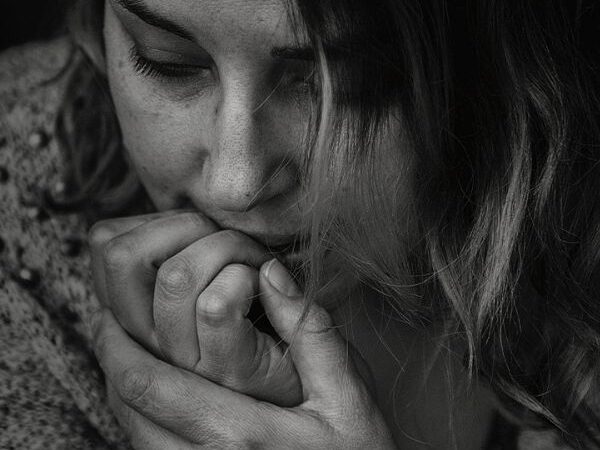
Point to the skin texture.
(182, 289)
(161, 406)
(224, 143)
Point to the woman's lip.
(275, 242)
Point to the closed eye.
(156, 69)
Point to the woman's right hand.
(182, 288)
(163, 407)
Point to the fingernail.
(279, 277)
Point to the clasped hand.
(186, 369)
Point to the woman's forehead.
(219, 22)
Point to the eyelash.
(154, 69)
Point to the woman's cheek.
(165, 140)
(160, 148)
(164, 134)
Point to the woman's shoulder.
(32, 86)
(47, 371)
(33, 79)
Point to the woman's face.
(213, 98)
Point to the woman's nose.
(247, 162)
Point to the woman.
(275, 125)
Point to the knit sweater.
(51, 389)
(52, 394)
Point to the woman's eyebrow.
(141, 10)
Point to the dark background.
(26, 20)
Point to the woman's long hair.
(531, 268)
(502, 141)
(483, 212)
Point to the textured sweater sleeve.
(51, 389)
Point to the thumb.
(318, 350)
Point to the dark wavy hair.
(498, 103)
(531, 145)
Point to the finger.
(181, 280)
(131, 261)
(142, 433)
(317, 348)
(233, 353)
(101, 233)
(175, 399)
(224, 333)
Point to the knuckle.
(212, 304)
(118, 253)
(100, 233)
(175, 277)
(136, 385)
(318, 321)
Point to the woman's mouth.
(289, 248)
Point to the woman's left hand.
(164, 407)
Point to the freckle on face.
(211, 145)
